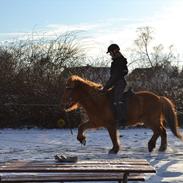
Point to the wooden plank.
(70, 177)
(85, 170)
(132, 169)
(68, 165)
(119, 161)
(80, 163)
(81, 166)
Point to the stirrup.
(121, 123)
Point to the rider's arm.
(112, 80)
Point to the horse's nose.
(66, 105)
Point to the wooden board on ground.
(85, 170)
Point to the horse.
(143, 107)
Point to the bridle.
(67, 115)
(70, 98)
(79, 100)
(69, 88)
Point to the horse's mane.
(86, 82)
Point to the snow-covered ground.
(36, 144)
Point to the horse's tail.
(170, 115)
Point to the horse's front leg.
(84, 126)
(113, 132)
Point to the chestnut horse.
(143, 107)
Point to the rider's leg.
(120, 103)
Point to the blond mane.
(75, 78)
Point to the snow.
(37, 144)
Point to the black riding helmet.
(113, 47)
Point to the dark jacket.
(117, 71)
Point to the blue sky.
(102, 21)
(24, 15)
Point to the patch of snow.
(36, 144)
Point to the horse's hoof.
(113, 151)
(83, 142)
(150, 147)
(162, 149)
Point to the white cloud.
(170, 27)
(97, 36)
(167, 24)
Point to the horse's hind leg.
(152, 142)
(115, 141)
(163, 135)
(158, 131)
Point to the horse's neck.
(88, 100)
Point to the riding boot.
(121, 113)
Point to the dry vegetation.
(33, 73)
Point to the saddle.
(126, 95)
(120, 110)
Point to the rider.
(118, 71)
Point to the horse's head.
(78, 90)
(71, 94)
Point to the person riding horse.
(118, 71)
(144, 107)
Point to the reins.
(68, 120)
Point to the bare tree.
(31, 78)
(147, 55)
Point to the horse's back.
(143, 104)
(149, 99)
(147, 94)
